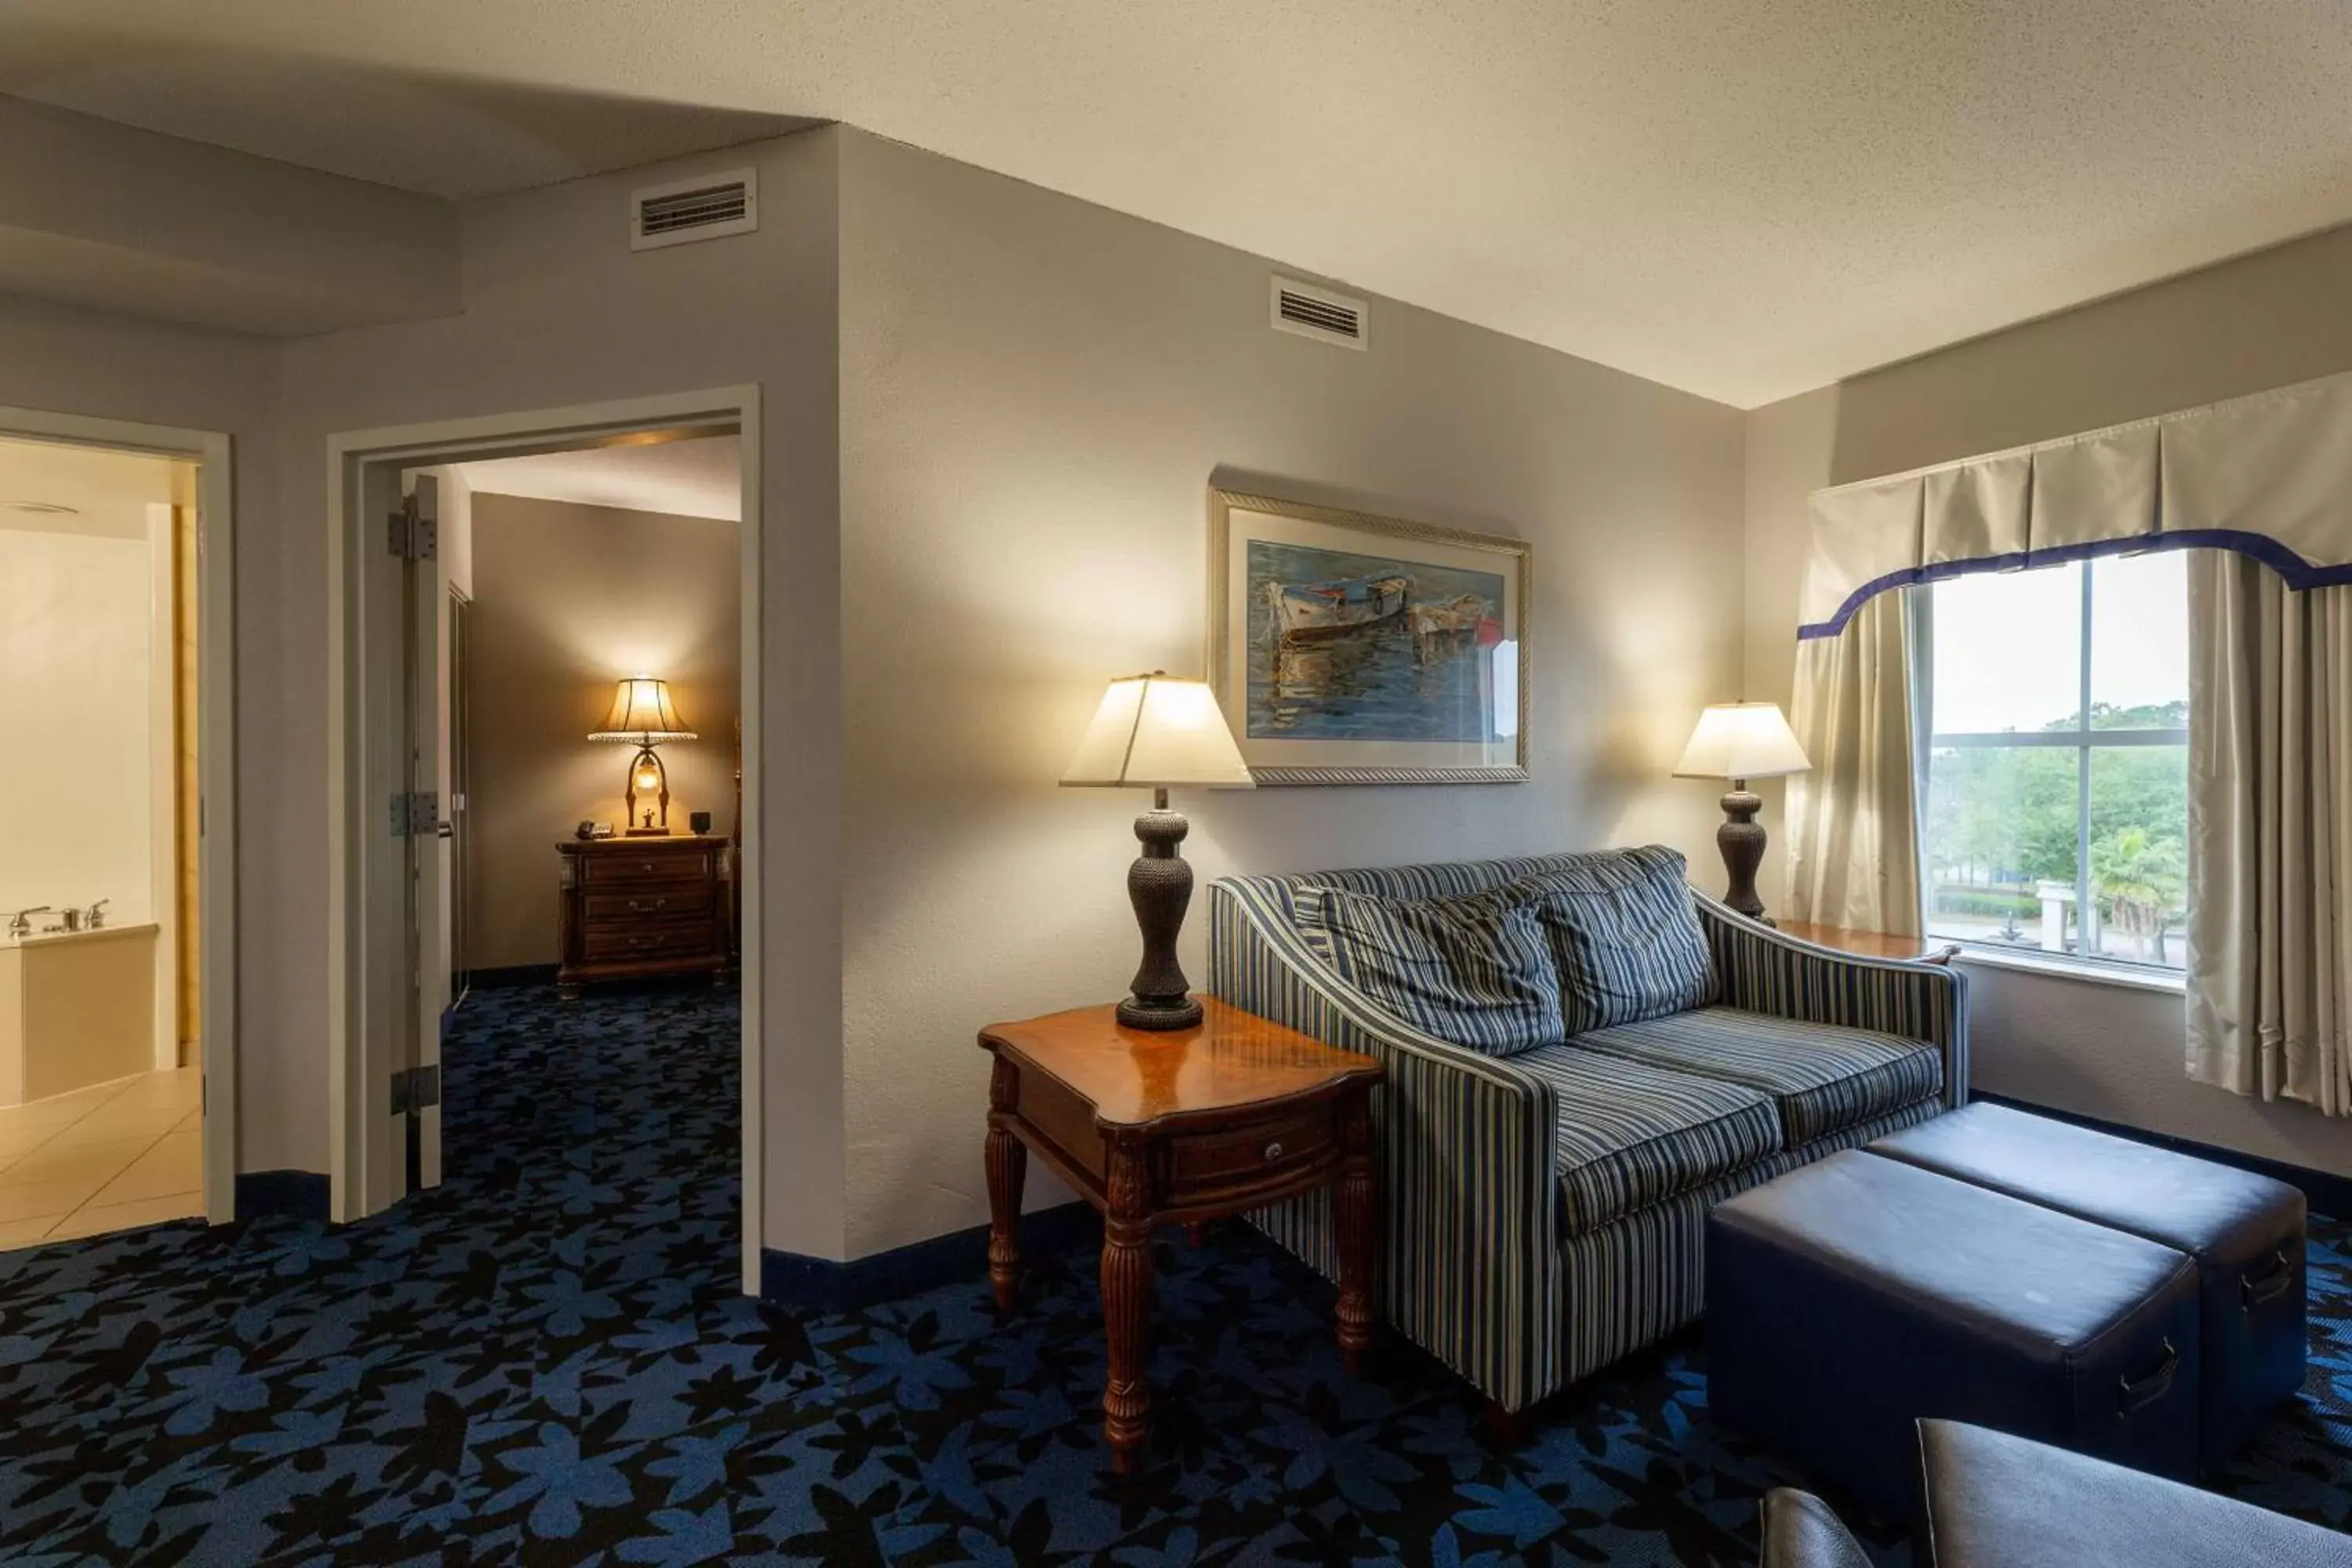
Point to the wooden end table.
(1874, 944)
(1176, 1128)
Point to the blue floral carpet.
(546, 1361)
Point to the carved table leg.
(1127, 1304)
(1357, 1205)
(1008, 1167)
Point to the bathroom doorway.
(107, 609)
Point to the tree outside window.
(2055, 790)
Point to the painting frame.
(1280, 762)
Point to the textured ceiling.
(1743, 200)
(687, 478)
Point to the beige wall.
(1036, 395)
(567, 599)
(560, 312)
(73, 360)
(2263, 320)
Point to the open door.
(425, 598)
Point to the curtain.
(1853, 827)
(2270, 834)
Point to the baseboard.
(300, 1194)
(512, 976)
(2326, 1191)
(818, 1284)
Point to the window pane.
(2140, 853)
(2139, 642)
(2000, 836)
(2009, 651)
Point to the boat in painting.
(1463, 617)
(1308, 612)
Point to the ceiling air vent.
(1314, 313)
(702, 206)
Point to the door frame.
(351, 1045)
(212, 452)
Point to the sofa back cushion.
(1625, 935)
(1477, 971)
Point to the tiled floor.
(101, 1158)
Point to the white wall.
(76, 703)
(2263, 320)
(1036, 395)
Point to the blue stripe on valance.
(2299, 573)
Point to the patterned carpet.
(546, 1361)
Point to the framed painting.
(1349, 649)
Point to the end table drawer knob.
(1273, 1149)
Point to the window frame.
(2081, 740)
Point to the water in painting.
(1365, 647)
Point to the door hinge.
(414, 1089)
(416, 814)
(411, 535)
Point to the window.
(2055, 775)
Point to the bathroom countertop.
(39, 938)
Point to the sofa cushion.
(1475, 971)
(1822, 1077)
(1626, 937)
(1628, 1135)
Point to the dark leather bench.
(1999, 1502)
(1848, 1299)
(2245, 1231)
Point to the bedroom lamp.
(643, 716)
(1159, 730)
(1738, 741)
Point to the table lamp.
(644, 717)
(1159, 730)
(1742, 740)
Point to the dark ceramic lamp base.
(1160, 884)
(1741, 840)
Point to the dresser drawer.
(1236, 1156)
(646, 940)
(626, 867)
(650, 900)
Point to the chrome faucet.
(95, 920)
(20, 924)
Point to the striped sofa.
(1544, 1212)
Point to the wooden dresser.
(632, 909)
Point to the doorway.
(117, 853)
(394, 912)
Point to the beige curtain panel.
(1853, 822)
(2270, 834)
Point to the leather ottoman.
(2245, 1232)
(1997, 1501)
(1849, 1298)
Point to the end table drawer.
(654, 901)
(1240, 1154)
(623, 943)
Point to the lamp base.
(1134, 1013)
(1160, 886)
(1741, 840)
(647, 833)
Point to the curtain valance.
(2269, 476)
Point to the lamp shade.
(1158, 730)
(643, 714)
(1742, 740)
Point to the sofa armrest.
(1469, 1188)
(1766, 971)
